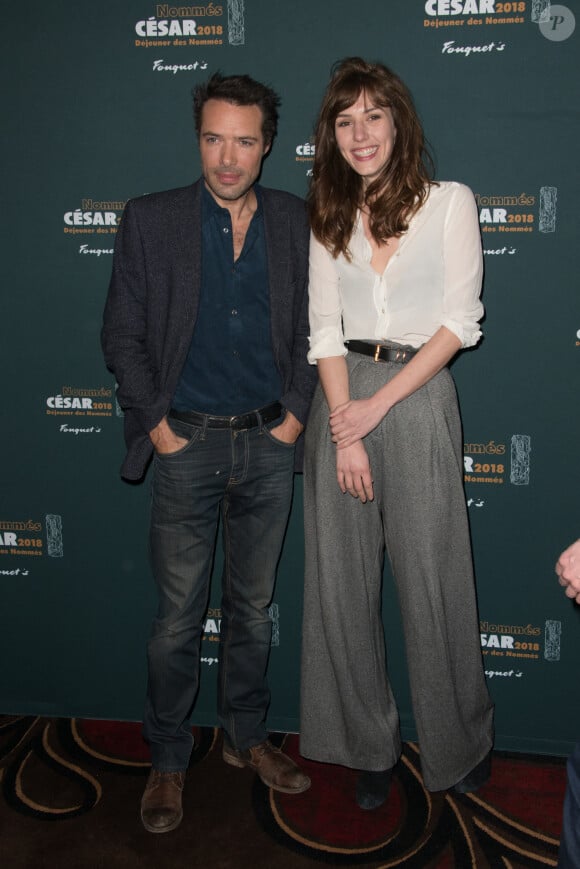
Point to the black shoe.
(372, 788)
(476, 778)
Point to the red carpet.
(71, 791)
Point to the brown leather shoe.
(161, 809)
(274, 767)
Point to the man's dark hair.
(241, 90)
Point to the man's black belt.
(242, 421)
(380, 353)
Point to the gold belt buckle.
(377, 352)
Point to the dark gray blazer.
(153, 300)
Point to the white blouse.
(432, 280)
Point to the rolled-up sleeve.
(325, 309)
(463, 265)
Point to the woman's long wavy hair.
(337, 191)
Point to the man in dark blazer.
(205, 328)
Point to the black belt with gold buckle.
(380, 353)
(242, 421)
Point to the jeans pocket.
(273, 439)
(183, 430)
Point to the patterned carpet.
(71, 791)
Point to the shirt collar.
(211, 207)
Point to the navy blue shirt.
(230, 366)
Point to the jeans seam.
(224, 645)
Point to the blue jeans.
(570, 840)
(247, 478)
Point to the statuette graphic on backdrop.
(189, 26)
(26, 538)
(522, 213)
(524, 642)
(490, 462)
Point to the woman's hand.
(353, 420)
(353, 472)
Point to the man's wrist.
(157, 434)
(292, 424)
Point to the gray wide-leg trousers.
(348, 712)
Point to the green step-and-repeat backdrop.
(97, 107)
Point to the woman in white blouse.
(395, 280)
